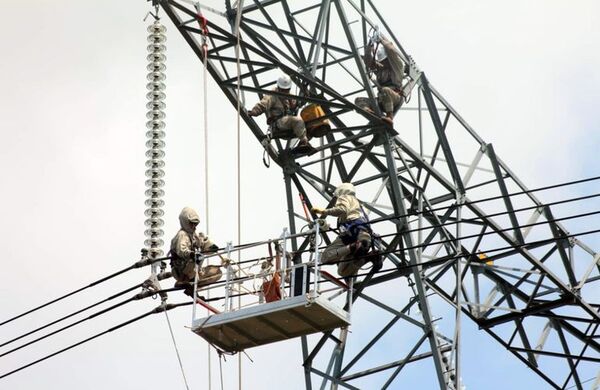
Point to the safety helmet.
(380, 55)
(344, 189)
(284, 82)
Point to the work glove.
(212, 248)
(317, 210)
(250, 113)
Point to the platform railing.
(295, 279)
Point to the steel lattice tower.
(531, 291)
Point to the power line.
(171, 306)
(145, 262)
(71, 315)
(139, 264)
(110, 298)
(499, 230)
(136, 297)
(430, 263)
(410, 214)
(158, 309)
(434, 226)
(491, 198)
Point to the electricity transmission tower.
(505, 263)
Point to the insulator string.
(155, 140)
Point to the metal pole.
(315, 292)
(400, 209)
(197, 261)
(321, 23)
(457, 325)
(228, 279)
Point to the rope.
(204, 28)
(176, 350)
(221, 369)
(239, 183)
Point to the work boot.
(303, 147)
(188, 289)
(388, 119)
(375, 258)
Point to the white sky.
(524, 74)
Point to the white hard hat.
(284, 82)
(381, 54)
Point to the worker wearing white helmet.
(281, 112)
(353, 243)
(383, 59)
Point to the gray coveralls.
(347, 208)
(183, 246)
(276, 109)
(389, 74)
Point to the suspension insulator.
(155, 135)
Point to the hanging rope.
(239, 185)
(203, 22)
(176, 350)
(221, 357)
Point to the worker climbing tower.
(458, 228)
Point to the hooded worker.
(354, 241)
(384, 60)
(281, 113)
(183, 249)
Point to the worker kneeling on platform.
(352, 245)
(183, 250)
(282, 115)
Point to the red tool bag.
(272, 288)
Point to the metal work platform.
(271, 322)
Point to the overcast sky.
(524, 74)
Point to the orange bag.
(271, 289)
(316, 127)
